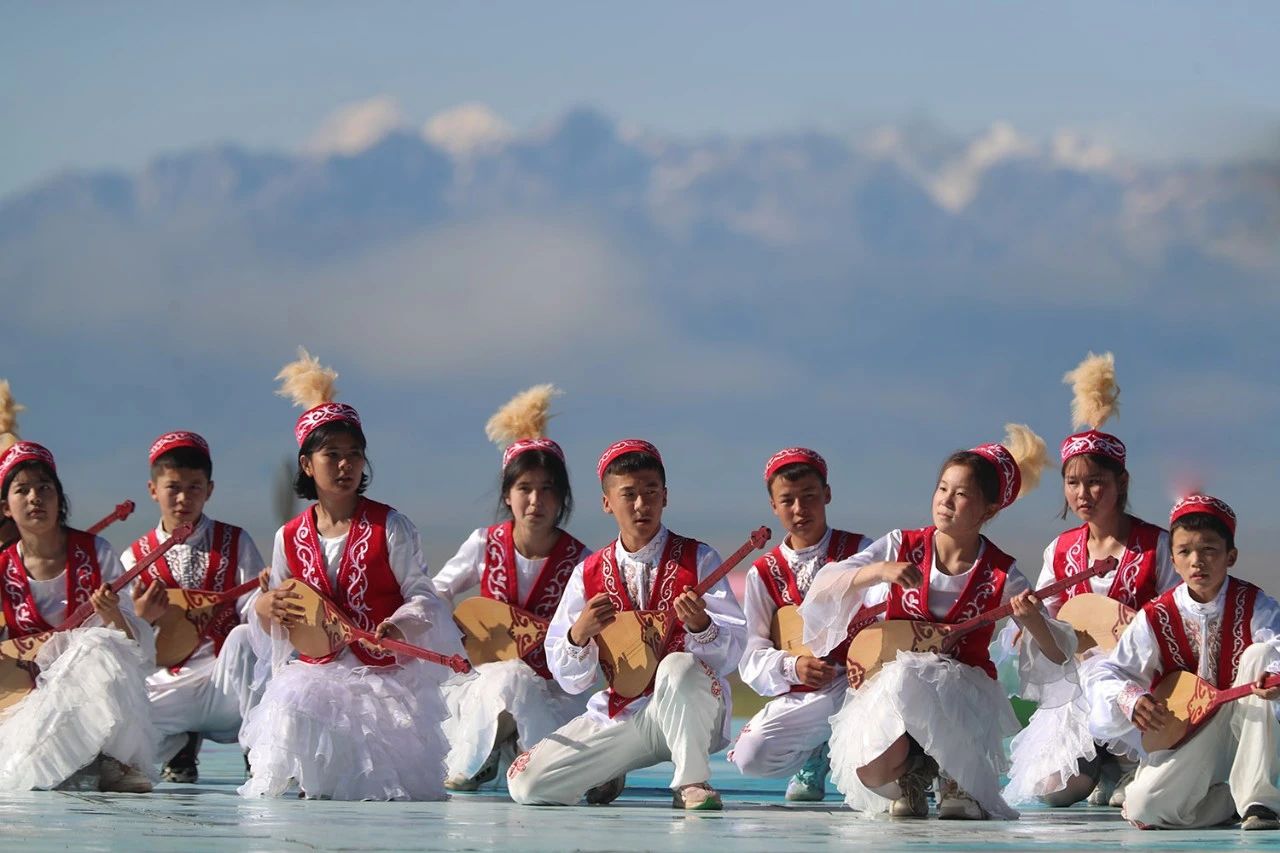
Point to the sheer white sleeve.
(833, 600)
(462, 571)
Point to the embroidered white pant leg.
(681, 723)
(209, 696)
(779, 739)
(1230, 764)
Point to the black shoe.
(606, 792)
(182, 767)
(1259, 817)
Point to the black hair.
(1201, 522)
(533, 460)
(185, 458)
(64, 505)
(1106, 463)
(983, 469)
(633, 463)
(304, 485)
(795, 471)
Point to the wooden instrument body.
(1191, 700)
(1099, 621)
(18, 667)
(787, 631)
(879, 643)
(180, 629)
(496, 631)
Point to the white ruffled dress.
(343, 730)
(958, 715)
(476, 699)
(90, 696)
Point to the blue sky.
(89, 84)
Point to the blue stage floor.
(210, 816)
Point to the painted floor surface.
(210, 816)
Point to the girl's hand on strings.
(106, 603)
(280, 606)
(150, 602)
(1151, 715)
(387, 630)
(905, 575)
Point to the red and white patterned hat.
(792, 455)
(1010, 476)
(174, 440)
(1093, 442)
(321, 415)
(24, 451)
(1206, 504)
(526, 444)
(621, 448)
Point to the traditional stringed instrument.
(181, 629)
(325, 629)
(122, 511)
(1192, 701)
(18, 655)
(631, 645)
(1098, 620)
(878, 644)
(495, 630)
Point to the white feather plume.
(524, 416)
(1095, 395)
(306, 381)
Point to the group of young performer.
(879, 656)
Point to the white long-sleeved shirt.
(1166, 575)
(1123, 677)
(765, 668)
(576, 668)
(465, 568)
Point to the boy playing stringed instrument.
(1225, 631)
(206, 691)
(683, 716)
(789, 735)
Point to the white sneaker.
(120, 778)
(955, 804)
(914, 783)
(1117, 796)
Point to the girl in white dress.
(526, 560)
(87, 724)
(359, 724)
(925, 714)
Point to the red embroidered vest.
(498, 580)
(982, 592)
(84, 575)
(1136, 576)
(367, 590)
(1176, 649)
(780, 581)
(221, 573)
(677, 571)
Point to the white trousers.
(681, 723)
(209, 695)
(779, 739)
(1230, 764)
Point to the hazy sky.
(89, 84)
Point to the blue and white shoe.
(809, 785)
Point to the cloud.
(958, 182)
(356, 127)
(466, 129)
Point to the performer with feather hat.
(360, 723)
(923, 714)
(525, 561)
(1055, 758)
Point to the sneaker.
(699, 797)
(809, 785)
(1259, 817)
(487, 773)
(84, 779)
(955, 804)
(120, 778)
(1116, 799)
(914, 783)
(182, 767)
(602, 795)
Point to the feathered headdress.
(9, 409)
(310, 385)
(521, 424)
(1095, 398)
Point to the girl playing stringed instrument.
(1055, 758)
(358, 723)
(524, 561)
(925, 714)
(87, 724)
(1226, 632)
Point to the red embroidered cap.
(1093, 441)
(1206, 504)
(621, 448)
(792, 455)
(526, 444)
(24, 451)
(1006, 469)
(174, 440)
(323, 414)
